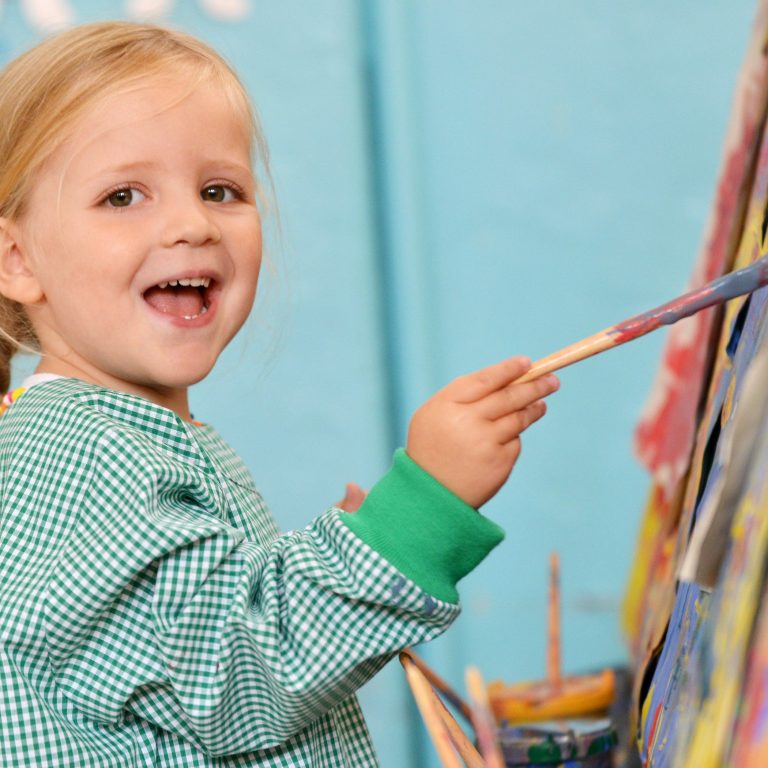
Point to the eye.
(124, 197)
(219, 193)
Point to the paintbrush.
(554, 675)
(428, 704)
(418, 667)
(716, 292)
(442, 686)
(483, 720)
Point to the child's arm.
(462, 445)
(158, 609)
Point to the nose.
(188, 221)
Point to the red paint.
(665, 432)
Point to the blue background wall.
(458, 182)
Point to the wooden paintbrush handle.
(442, 686)
(569, 355)
(429, 707)
(553, 629)
(483, 720)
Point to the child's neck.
(175, 399)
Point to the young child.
(151, 613)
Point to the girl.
(151, 612)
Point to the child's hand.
(467, 435)
(354, 496)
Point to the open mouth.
(186, 299)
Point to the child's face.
(153, 187)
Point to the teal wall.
(458, 182)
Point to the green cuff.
(426, 531)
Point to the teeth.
(194, 317)
(193, 282)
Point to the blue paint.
(737, 328)
(716, 292)
(575, 743)
(397, 588)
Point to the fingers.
(510, 427)
(513, 449)
(354, 496)
(515, 397)
(480, 384)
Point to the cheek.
(250, 248)
(74, 281)
(67, 257)
(248, 282)
(256, 265)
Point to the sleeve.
(158, 609)
(424, 529)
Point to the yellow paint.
(576, 697)
(646, 707)
(728, 401)
(741, 587)
(702, 741)
(637, 587)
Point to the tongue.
(182, 301)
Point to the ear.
(17, 280)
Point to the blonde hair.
(45, 90)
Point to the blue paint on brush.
(716, 292)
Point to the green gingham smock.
(152, 615)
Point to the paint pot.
(559, 744)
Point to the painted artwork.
(750, 743)
(667, 432)
(697, 606)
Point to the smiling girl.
(150, 611)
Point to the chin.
(184, 379)
(181, 376)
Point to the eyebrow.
(138, 165)
(227, 165)
(141, 165)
